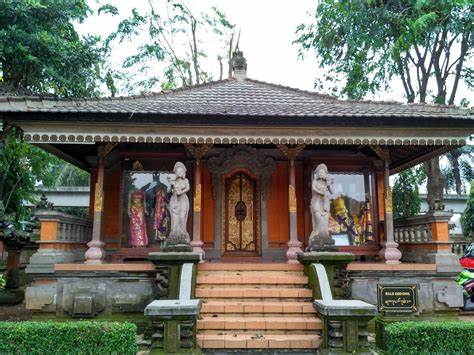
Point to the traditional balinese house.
(250, 149)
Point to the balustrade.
(416, 233)
(61, 227)
(425, 239)
(459, 247)
(63, 238)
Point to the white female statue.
(179, 208)
(321, 186)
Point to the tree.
(22, 166)
(460, 169)
(41, 52)
(426, 44)
(467, 218)
(70, 175)
(406, 195)
(175, 38)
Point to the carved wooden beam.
(382, 153)
(291, 152)
(198, 151)
(105, 149)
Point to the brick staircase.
(255, 306)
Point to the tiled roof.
(233, 98)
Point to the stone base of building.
(43, 260)
(437, 292)
(79, 290)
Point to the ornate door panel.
(240, 217)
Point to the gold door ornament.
(240, 215)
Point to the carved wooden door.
(240, 216)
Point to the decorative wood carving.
(98, 198)
(245, 157)
(332, 138)
(198, 151)
(291, 152)
(197, 198)
(104, 149)
(137, 166)
(291, 199)
(383, 154)
(388, 199)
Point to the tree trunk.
(435, 184)
(453, 158)
(221, 68)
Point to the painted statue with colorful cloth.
(138, 232)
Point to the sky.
(267, 29)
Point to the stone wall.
(437, 292)
(89, 294)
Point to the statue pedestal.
(178, 243)
(175, 261)
(321, 244)
(331, 260)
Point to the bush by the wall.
(81, 337)
(454, 337)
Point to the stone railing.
(415, 233)
(74, 230)
(68, 228)
(63, 238)
(425, 239)
(174, 320)
(345, 322)
(423, 228)
(459, 247)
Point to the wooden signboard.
(397, 298)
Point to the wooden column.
(95, 254)
(198, 152)
(389, 251)
(294, 245)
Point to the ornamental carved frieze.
(242, 157)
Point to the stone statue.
(178, 239)
(321, 185)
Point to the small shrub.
(454, 337)
(3, 281)
(81, 337)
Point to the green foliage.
(82, 212)
(459, 169)
(430, 337)
(368, 42)
(174, 39)
(23, 165)
(406, 195)
(82, 337)
(41, 52)
(3, 281)
(467, 218)
(69, 175)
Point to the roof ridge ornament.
(239, 65)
